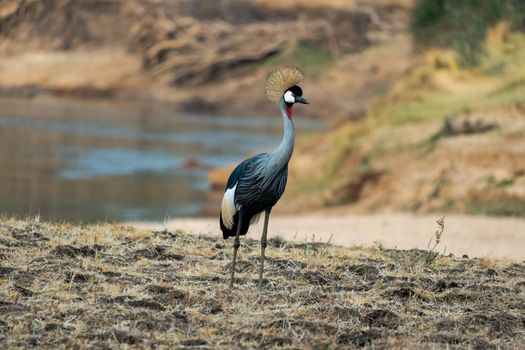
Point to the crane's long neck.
(282, 154)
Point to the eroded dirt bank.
(206, 56)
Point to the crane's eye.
(288, 97)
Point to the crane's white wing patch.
(228, 209)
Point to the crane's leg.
(236, 245)
(264, 244)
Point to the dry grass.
(104, 286)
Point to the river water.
(88, 162)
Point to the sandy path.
(471, 235)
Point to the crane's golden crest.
(281, 79)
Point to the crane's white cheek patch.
(288, 97)
(228, 209)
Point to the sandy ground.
(475, 236)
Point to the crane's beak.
(299, 99)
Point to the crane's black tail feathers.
(231, 232)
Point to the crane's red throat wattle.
(289, 111)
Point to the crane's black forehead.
(296, 90)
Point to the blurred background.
(136, 109)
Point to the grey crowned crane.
(257, 183)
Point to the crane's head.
(295, 95)
(281, 84)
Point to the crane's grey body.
(260, 181)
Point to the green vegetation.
(509, 207)
(448, 204)
(515, 85)
(463, 24)
(438, 88)
(451, 128)
(492, 181)
(311, 56)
